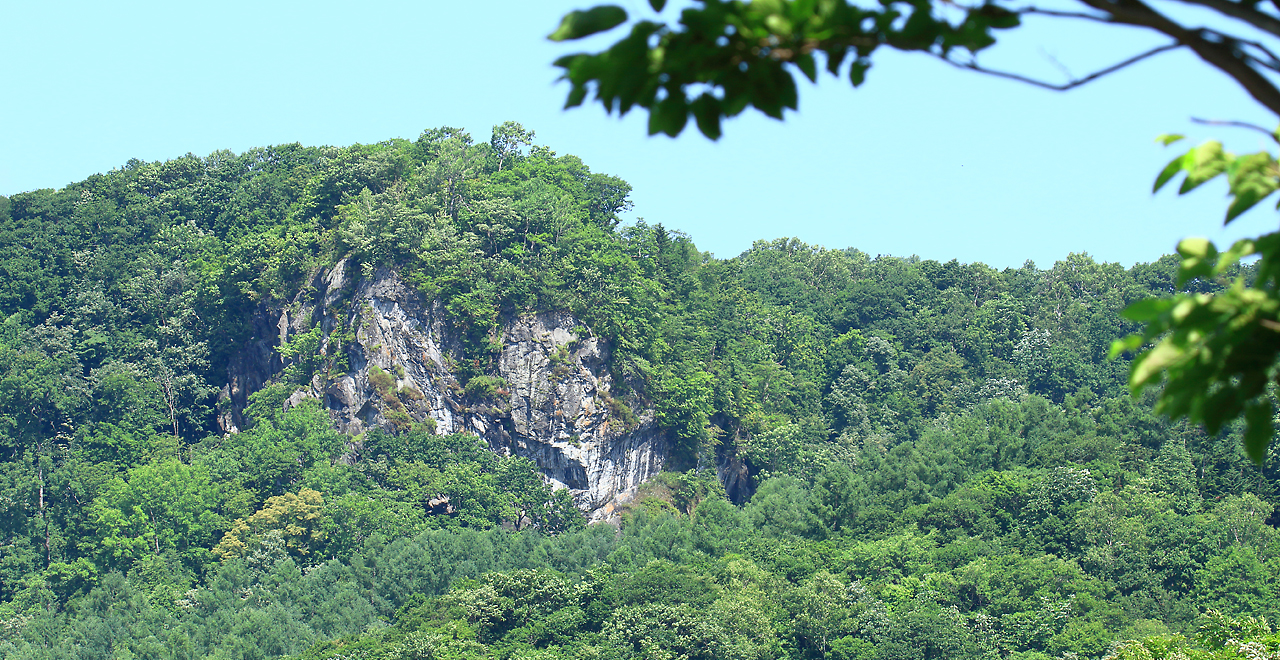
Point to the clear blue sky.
(923, 159)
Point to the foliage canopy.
(1214, 353)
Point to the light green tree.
(295, 517)
(161, 507)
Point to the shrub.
(483, 386)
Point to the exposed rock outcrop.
(554, 403)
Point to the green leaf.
(1198, 258)
(576, 96)
(1238, 250)
(1191, 269)
(570, 63)
(1169, 138)
(782, 81)
(657, 4)
(1244, 201)
(1196, 247)
(1202, 164)
(778, 24)
(1258, 431)
(1146, 309)
(767, 7)
(1253, 177)
(920, 30)
(706, 112)
(1126, 345)
(669, 116)
(579, 24)
(735, 101)
(1171, 170)
(803, 8)
(858, 72)
(808, 66)
(1151, 363)
(835, 57)
(998, 17)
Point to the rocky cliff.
(554, 402)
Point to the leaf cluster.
(723, 57)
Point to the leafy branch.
(1216, 353)
(722, 57)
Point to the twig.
(973, 66)
(1230, 40)
(1273, 64)
(1063, 14)
(1062, 68)
(1237, 124)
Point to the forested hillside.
(871, 457)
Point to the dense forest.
(936, 460)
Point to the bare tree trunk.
(44, 518)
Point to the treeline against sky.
(936, 459)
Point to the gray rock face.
(554, 404)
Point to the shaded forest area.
(940, 461)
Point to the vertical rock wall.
(555, 406)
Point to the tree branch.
(1272, 62)
(1063, 14)
(1238, 124)
(973, 66)
(1223, 53)
(1240, 11)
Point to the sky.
(923, 159)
